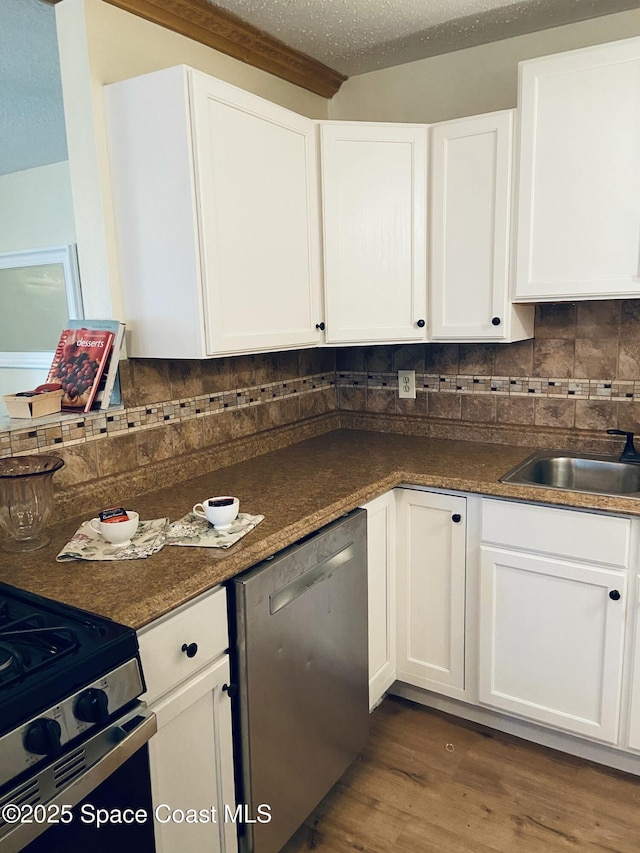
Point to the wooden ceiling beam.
(215, 27)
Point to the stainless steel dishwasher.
(301, 669)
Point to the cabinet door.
(191, 763)
(256, 182)
(431, 590)
(634, 712)
(579, 192)
(374, 214)
(551, 641)
(381, 575)
(470, 219)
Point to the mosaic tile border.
(52, 435)
(620, 390)
(56, 433)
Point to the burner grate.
(28, 644)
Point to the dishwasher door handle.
(320, 572)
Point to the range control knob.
(42, 737)
(92, 706)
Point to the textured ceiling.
(32, 131)
(355, 36)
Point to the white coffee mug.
(117, 532)
(219, 511)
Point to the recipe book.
(109, 392)
(78, 364)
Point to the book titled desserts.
(109, 391)
(78, 364)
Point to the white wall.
(101, 44)
(476, 80)
(36, 210)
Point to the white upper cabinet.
(374, 194)
(579, 188)
(217, 215)
(471, 177)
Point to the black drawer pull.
(230, 689)
(456, 518)
(614, 595)
(190, 650)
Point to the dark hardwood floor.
(428, 783)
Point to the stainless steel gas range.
(70, 719)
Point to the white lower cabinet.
(634, 700)
(552, 623)
(431, 591)
(551, 641)
(185, 659)
(381, 574)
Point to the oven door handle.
(111, 746)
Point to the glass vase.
(26, 499)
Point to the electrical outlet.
(407, 384)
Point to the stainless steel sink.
(577, 472)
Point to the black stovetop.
(49, 650)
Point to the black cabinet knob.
(42, 737)
(495, 321)
(456, 518)
(92, 706)
(421, 324)
(190, 650)
(614, 595)
(230, 689)
(320, 327)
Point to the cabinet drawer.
(164, 662)
(559, 532)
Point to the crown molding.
(208, 24)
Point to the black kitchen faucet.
(629, 454)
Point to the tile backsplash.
(581, 372)
(177, 407)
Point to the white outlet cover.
(407, 384)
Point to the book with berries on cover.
(109, 390)
(78, 364)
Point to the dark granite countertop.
(298, 489)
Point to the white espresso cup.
(117, 532)
(219, 511)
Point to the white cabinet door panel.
(256, 175)
(470, 221)
(374, 183)
(381, 575)
(579, 189)
(191, 764)
(431, 590)
(634, 699)
(551, 641)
